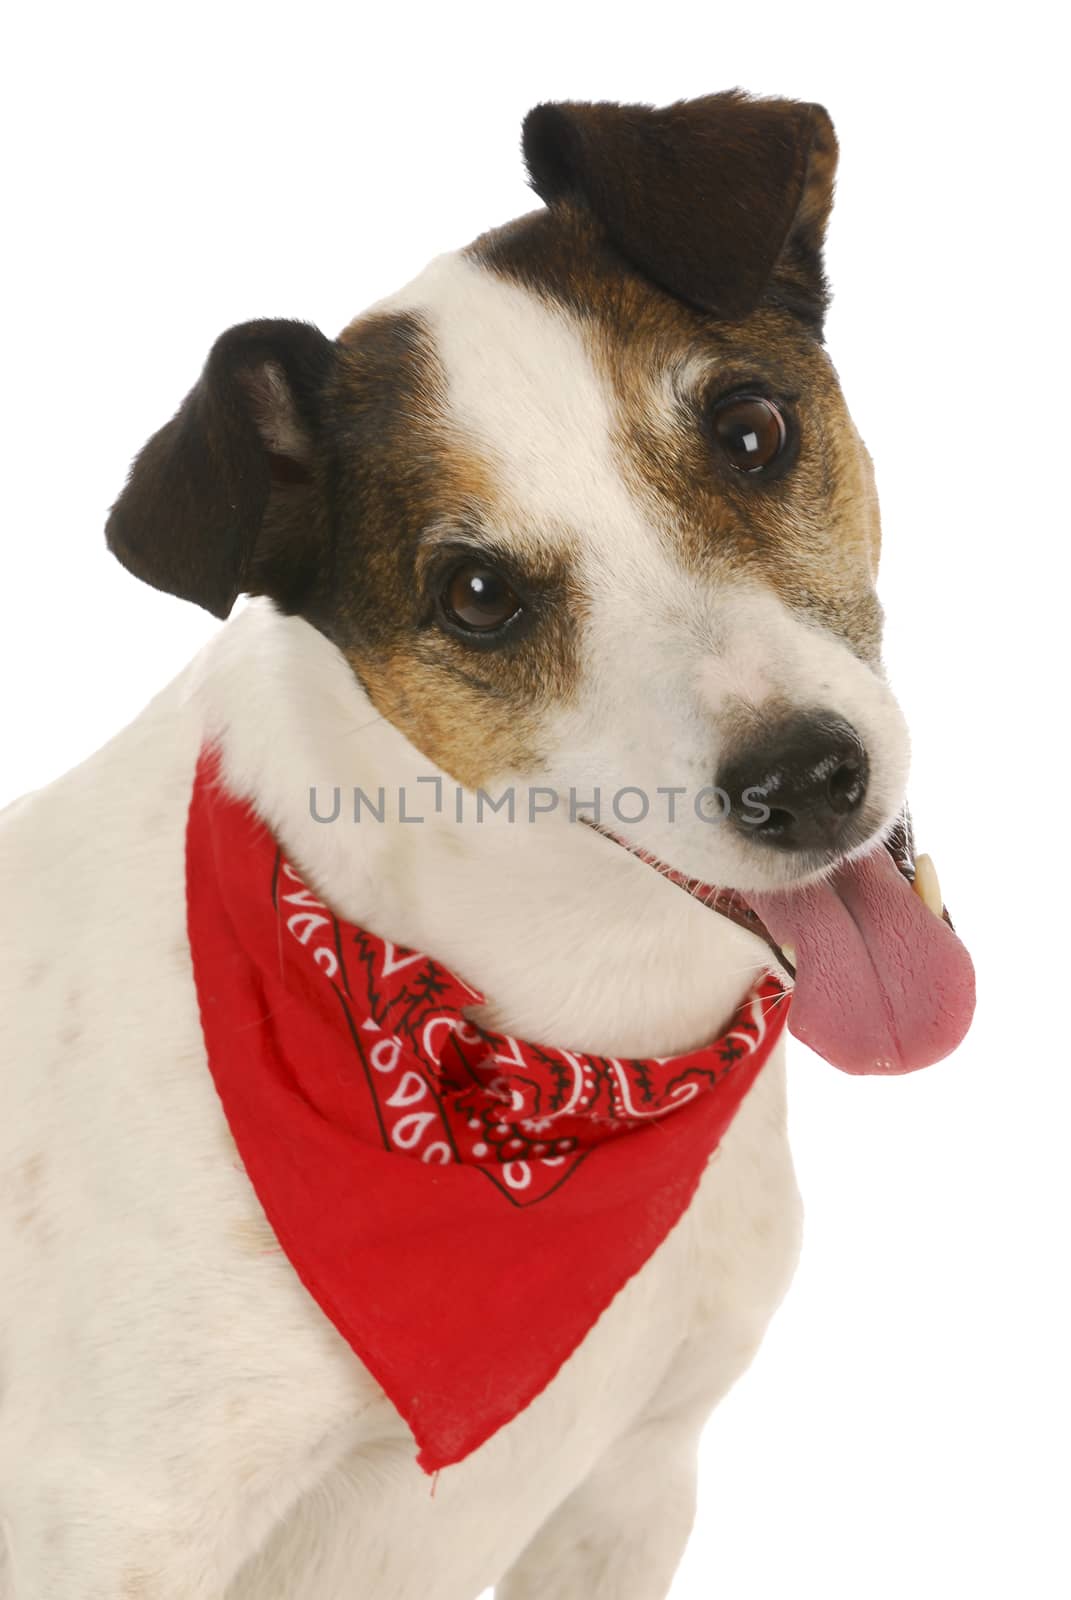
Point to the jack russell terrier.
(393, 1169)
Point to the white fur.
(666, 656)
(174, 1405)
(177, 1419)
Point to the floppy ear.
(223, 500)
(707, 197)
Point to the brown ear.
(222, 499)
(709, 198)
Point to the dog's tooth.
(789, 953)
(926, 885)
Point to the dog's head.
(583, 506)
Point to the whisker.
(737, 972)
(371, 723)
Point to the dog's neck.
(574, 942)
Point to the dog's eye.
(750, 430)
(478, 599)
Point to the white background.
(172, 171)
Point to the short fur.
(177, 1419)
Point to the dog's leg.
(621, 1533)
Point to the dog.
(579, 515)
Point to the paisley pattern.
(444, 1090)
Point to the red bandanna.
(462, 1205)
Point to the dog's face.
(583, 506)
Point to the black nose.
(799, 785)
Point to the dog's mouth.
(882, 983)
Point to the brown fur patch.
(137, 1584)
(253, 1235)
(810, 533)
(31, 1173)
(412, 498)
(31, 1215)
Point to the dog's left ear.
(710, 198)
(223, 500)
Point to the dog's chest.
(126, 1207)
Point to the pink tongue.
(882, 985)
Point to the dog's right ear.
(224, 499)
